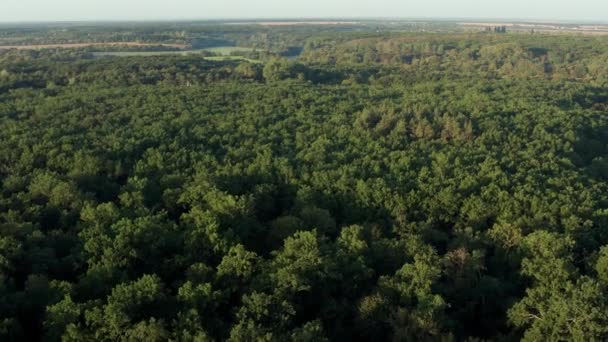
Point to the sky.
(86, 10)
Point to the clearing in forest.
(80, 45)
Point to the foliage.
(381, 186)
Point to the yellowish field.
(292, 23)
(542, 27)
(80, 45)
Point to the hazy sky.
(69, 10)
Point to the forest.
(384, 185)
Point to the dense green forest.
(382, 186)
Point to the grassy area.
(223, 51)
(175, 53)
(146, 53)
(227, 50)
(220, 50)
(232, 58)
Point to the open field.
(224, 56)
(293, 23)
(81, 45)
(227, 50)
(542, 27)
(232, 58)
(146, 53)
(224, 51)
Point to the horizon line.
(304, 19)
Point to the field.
(82, 45)
(540, 27)
(171, 53)
(232, 58)
(294, 23)
(227, 50)
(223, 51)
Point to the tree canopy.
(381, 186)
